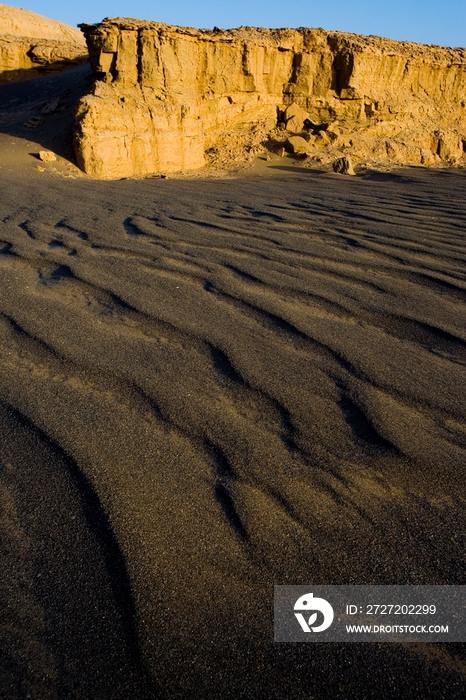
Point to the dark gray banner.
(370, 613)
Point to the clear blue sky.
(425, 21)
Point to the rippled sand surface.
(208, 387)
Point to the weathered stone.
(321, 127)
(296, 144)
(51, 107)
(333, 134)
(295, 116)
(404, 151)
(31, 44)
(309, 125)
(344, 166)
(295, 125)
(22, 23)
(450, 147)
(281, 152)
(322, 139)
(165, 96)
(294, 110)
(370, 109)
(47, 156)
(349, 93)
(427, 157)
(33, 122)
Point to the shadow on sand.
(26, 103)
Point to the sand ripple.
(229, 385)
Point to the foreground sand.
(208, 387)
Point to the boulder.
(344, 166)
(47, 156)
(404, 152)
(34, 122)
(450, 147)
(322, 139)
(51, 107)
(295, 125)
(296, 144)
(295, 110)
(295, 116)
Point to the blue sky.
(425, 21)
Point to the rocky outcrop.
(165, 97)
(31, 44)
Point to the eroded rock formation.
(31, 44)
(165, 96)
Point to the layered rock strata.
(165, 96)
(31, 44)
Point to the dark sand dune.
(211, 387)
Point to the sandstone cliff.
(31, 44)
(165, 96)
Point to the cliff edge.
(31, 44)
(171, 98)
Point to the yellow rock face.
(165, 95)
(31, 43)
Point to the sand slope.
(209, 387)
